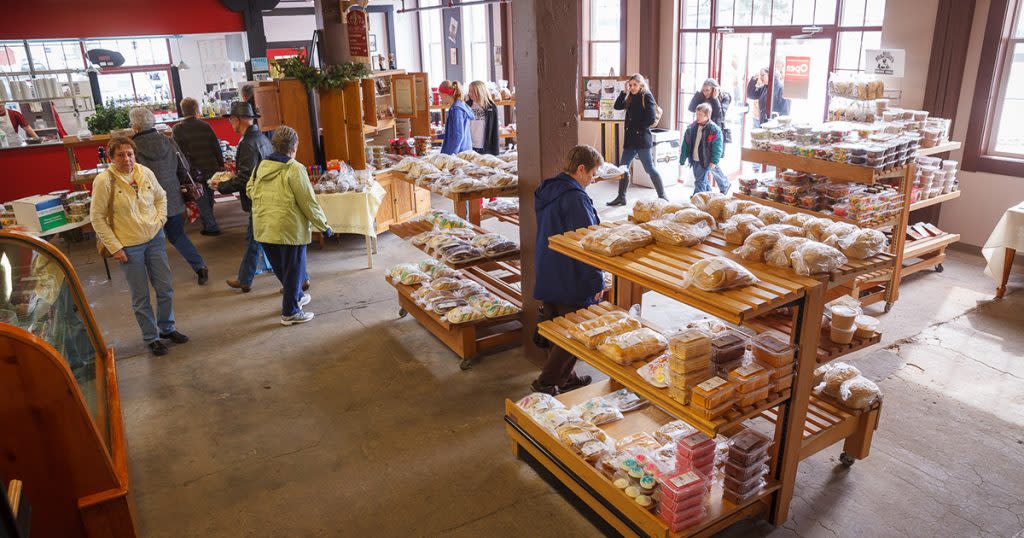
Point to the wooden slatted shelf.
(827, 349)
(661, 268)
(829, 422)
(921, 204)
(838, 171)
(920, 247)
(557, 331)
(795, 209)
(408, 230)
(597, 490)
(493, 192)
(490, 213)
(945, 147)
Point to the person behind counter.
(156, 152)
(284, 208)
(456, 127)
(201, 147)
(641, 112)
(562, 284)
(10, 122)
(483, 128)
(129, 209)
(252, 149)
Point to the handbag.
(191, 211)
(100, 247)
(727, 135)
(191, 187)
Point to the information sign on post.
(358, 36)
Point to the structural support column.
(334, 41)
(546, 60)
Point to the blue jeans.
(254, 261)
(206, 210)
(647, 159)
(147, 264)
(175, 230)
(700, 179)
(289, 263)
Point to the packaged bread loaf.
(443, 305)
(408, 274)
(797, 219)
(736, 207)
(859, 392)
(718, 273)
(632, 346)
(672, 207)
(737, 228)
(757, 244)
(779, 255)
(770, 215)
(864, 243)
(597, 411)
(787, 230)
(669, 232)
(813, 257)
(616, 240)
(463, 314)
(692, 215)
(815, 228)
(710, 202)
(840, 229)
(835, 377)
(595, 331)
(499, 308)
(585, 439)
(648, 210)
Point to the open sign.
(798, 68)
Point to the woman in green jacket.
(284, 209)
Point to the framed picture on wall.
(404, 89)
(373, 43)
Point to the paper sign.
(358, 34)
(890, 62)
(797, 76)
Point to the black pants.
(646, 156)
(289, 263)
(557, 370)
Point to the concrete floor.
(361, 424)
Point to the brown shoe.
(238, 286)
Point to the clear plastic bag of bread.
(499, 308)
(757, 244)
(648, 210)
(693, 215)
(812, 257)
(710, 202)
(463, 314)
(740, 226)
(798, 219)
(859, 392)
(779, 255)
(787, 230)
(815, 228)
(736, 207)
(718, 273)
(863, 244)
(408, 274)
(632, 346)
(834, 377)
(597, 411)
(770, 215)
(841, 229)
(585, 439)
(616, 240)
(593, 332)
(539, 402)
(670, 232)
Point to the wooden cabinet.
(402, 202)
(286, 102)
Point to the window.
(996, 140)
(136, 51)
(765, 12)
(694, 66)
(851, 47)
(475, 45)
(605, 37)
(432, 43)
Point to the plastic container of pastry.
(682, 486)
(749, 378)
(690, 343)
(841, 336)
(713, 393)
(770, 350)
(714, 412)
(677, 524)
(728, 345)
(742, 487)
(866, 326)
(746, 399)
(748, 447)
(669, 508)
(843, 316)
(694, 446)
(781, 384)
(737, 497)
(783, 371)
(746, 472)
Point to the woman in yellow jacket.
(129, 210)
(284, 208)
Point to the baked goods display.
(694, 215)
(881, 146)
(648, 210)
(867, 205)
(616, 240)
(813, 257)
(670, 232)
(466, 172)
(855, 86)
(443, 291)
(594, 332)
(632, 346)
(454, 240)
(845, 383)
(504, 206)
(740, 226)
(746, 465)
(718, 273)
(689, 362)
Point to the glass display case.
(60, 414)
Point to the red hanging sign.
(797, 77)
(358, 31)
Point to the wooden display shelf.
(489, 213)
(945, 147)
(829, 422)
(408, 230)
(827, 349)
(662, 268)
(932, 201)
(467, 204)
(557, 331)
(597, 490)
(920, 247)
(834, 170)
(795, 209)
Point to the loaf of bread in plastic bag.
(718, 273)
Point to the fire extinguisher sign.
(797, 77)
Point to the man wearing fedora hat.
(252, 149)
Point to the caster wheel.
(846, 460)
(888, 307)
(402, 313)
(466, 364)
(939, 268)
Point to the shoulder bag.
(191, 185)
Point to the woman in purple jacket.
(456, 127)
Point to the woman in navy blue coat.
(456, 126)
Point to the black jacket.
(717, 111)
(780, 105)
(156, 152)
(640, 114)
(199, 143)
(252, 149)
(491, 143)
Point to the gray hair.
(142, 118)
(248, 90)
(285, 140)
(705, 108)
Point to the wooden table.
(1002, 245)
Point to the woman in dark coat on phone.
(641, 114)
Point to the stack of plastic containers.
(713, 398)
(690, 362)
(777, 356)
(696, 452)
(746, 466)
(752, 384)
(727, 350)
(681, 500)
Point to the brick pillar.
(546, 63)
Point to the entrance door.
(742, 57)
(801, 70)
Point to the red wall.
(50, 19)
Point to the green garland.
(333, 76)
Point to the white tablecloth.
(1009, 233)
(353, 212)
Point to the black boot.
(623, 185)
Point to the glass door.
(800, 71)
(743, 56)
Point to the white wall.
(193, 79)
(985, 197)
(909, 25)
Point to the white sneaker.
(306, 298)
(301, 317)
